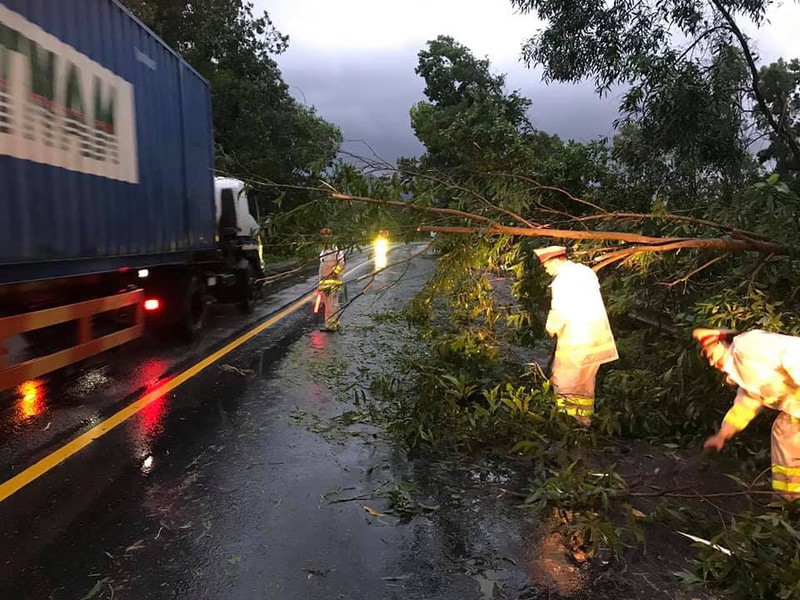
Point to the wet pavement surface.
(253, 479)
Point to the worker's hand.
(715, 442)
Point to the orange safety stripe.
(53, 316)
(13, 375)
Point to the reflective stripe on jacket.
(327, 285)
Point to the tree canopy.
(261, 132)
(685, 56)
(780, 87)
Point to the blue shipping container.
(106, 143)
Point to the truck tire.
(247, 291)
(194, 310)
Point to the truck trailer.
(111, 214)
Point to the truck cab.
(237, 224)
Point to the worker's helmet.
(545, 254)
(325, 232)
(384, 233)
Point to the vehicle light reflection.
(150, 374)
(380, 248)
(31, 399)
(153, 415)
(318, 340)
(150, 426)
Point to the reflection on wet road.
(221, 484)
(31, 399)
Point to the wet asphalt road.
(232, 485)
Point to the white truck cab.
(234, 211)
(238, 230)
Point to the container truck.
(110, 214)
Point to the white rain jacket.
(766, 367)
(331, 264)
(578, 317)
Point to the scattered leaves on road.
(395, 577)
(137, 545)
(237, 370)
(373, 512)
(96, 589)
(317, 572)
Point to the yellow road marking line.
(20, 480)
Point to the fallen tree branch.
(698, 495)
(550, 188)
(649, 244)
(351, 499)
(672, 217)
(738, 242)
(671, 493)
(406, 206)
(612, 236)
(374, 274)
(686, 277)
(725, 244)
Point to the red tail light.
(152, 304)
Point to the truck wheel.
(247, 290)
(194, 311)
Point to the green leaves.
(764, 561)
(261, 132)
(589, 506)
(780, 88)
(689, 88)
(470, 121)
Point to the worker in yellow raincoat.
(578, 321)
(331, 267)
(766, 368)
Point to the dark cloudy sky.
(354, 60)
